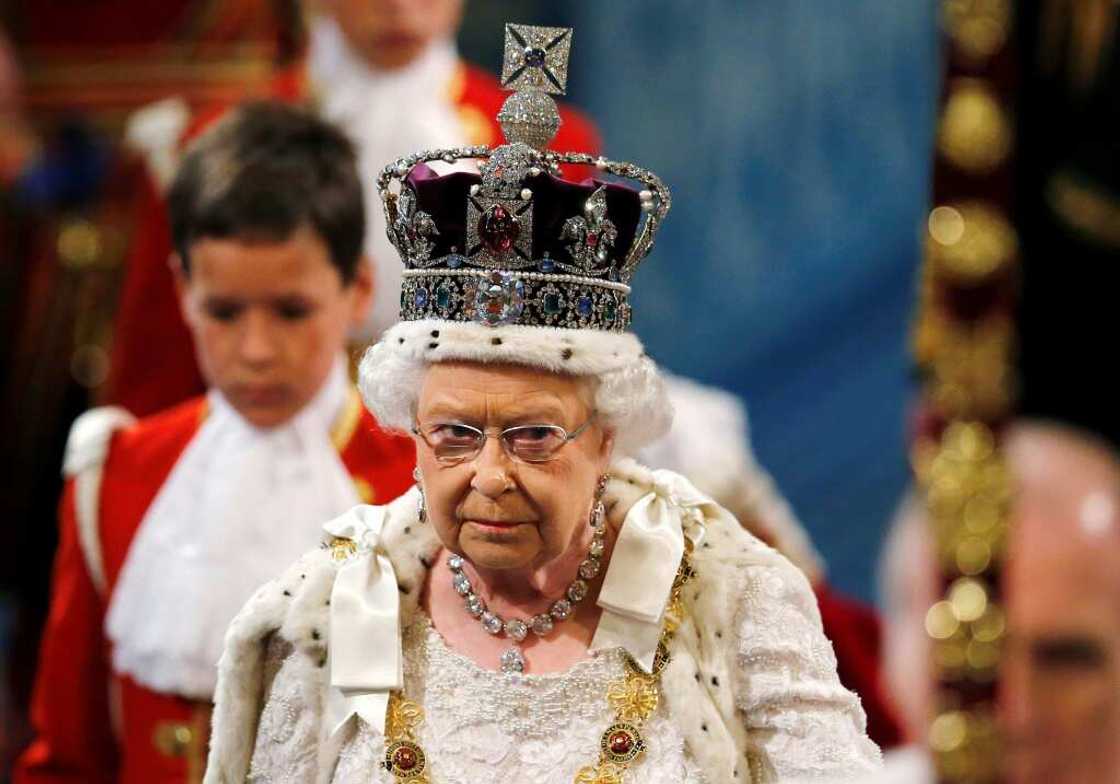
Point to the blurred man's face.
(392, 33)
(269, 319)
(1060, 678)
(1060, 699)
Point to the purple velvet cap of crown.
(555, 200)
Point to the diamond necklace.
(517, 629)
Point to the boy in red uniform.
(170, 522)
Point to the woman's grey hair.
(630, 401)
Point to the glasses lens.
(534, 443)
(454, 441)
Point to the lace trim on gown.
(805, 725)
(287, 748)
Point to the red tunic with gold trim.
(94, 725)
(149, 329)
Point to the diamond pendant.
(513, 660)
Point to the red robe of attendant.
(96, 726)
(153, 362)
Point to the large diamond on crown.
(499, 299)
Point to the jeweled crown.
(517, 243)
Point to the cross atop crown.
(536, 58)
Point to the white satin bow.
(365, 636)
(644, 563)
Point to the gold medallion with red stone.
(405, 760)
(621, 742)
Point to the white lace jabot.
(239, 505)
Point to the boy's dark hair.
(263, 172)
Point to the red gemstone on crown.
(498, 230)
(620, 742)
(404, 758)
(592, 239)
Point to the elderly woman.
(534, 610)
